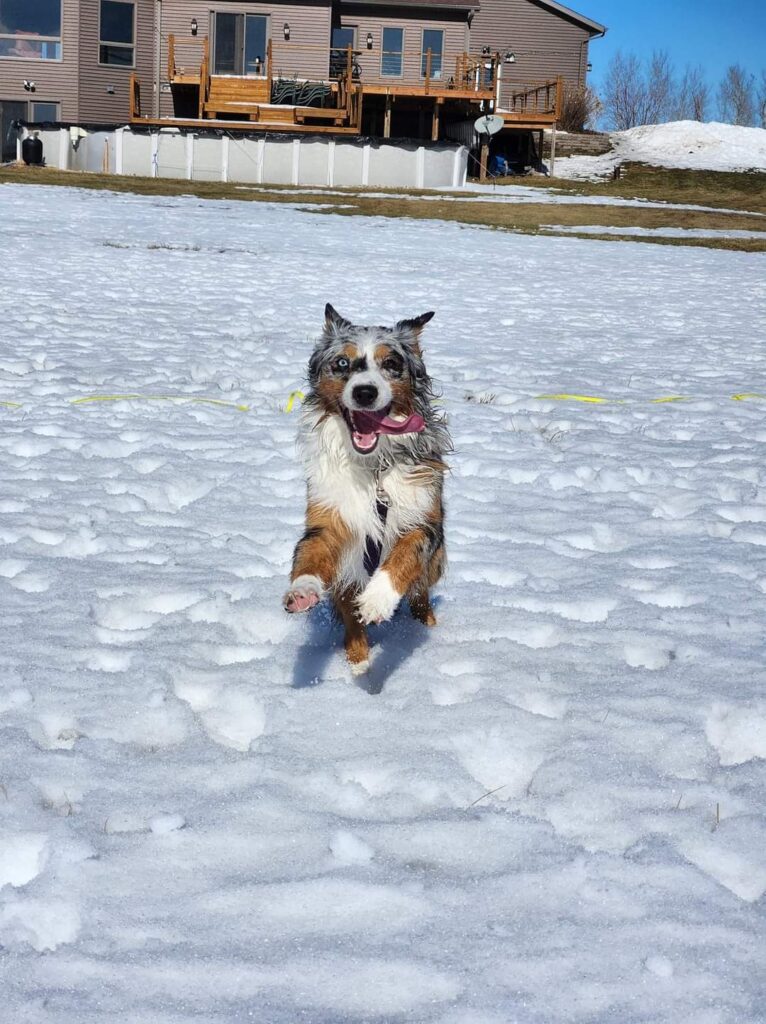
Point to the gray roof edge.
(598, 29)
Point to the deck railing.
(185, 55)
(536, 98)
(428, 70)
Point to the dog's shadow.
(393, 643)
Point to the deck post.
(428, 68)
(387, 118)
(435, 122)
(171, 57)
(553, 149)
(483, 158)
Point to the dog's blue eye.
(341, 365)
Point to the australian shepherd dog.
(374, 450)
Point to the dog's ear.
(333, 321)
(411, 329)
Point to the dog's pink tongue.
(374, 423)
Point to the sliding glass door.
(239, 44)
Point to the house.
(391, 68)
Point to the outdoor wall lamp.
(29, 86)
(369, 40)
(286, 31)
(194, 26)
(510, 57)
(485, 51)
(590, 65)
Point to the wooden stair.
(236, 96)
(323, 114)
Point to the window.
(30, 29)
(42, 111)
(433, 40)
(239, 46)
(342, 37)
(391, 57)
(117, 33)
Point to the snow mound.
(693, 145)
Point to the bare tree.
(736, 96)
(580, 109)
(693, 95)
(624, 91)
(762, 99)
(634, 96)
(660, 89)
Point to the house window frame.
(116, 45)
(337, 51)
(424, 53)
(384, 52)
(57, 41)
(213, 30)
(47, 103)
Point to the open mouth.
(366, 427)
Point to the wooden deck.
(334, 106)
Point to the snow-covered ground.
(687, 144)
(550, 808)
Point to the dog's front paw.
(378, 600)
(304, 593)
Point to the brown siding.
(374, 20)
(56, 81)
(305, 55)
(546, 44)
(96, 104)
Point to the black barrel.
(32, 151)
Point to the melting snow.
(551, 807)
(688, 144)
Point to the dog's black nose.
(364, 395)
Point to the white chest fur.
(338, 480)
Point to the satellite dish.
(488, 124)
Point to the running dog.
(373, 448)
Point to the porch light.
(194, 26)
(286, 31)
(369, 40)
(485, 51)
(510, 57)
(590, 65)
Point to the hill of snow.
(685, 144)
(548, 809)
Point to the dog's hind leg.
(355, 640)
(420, 604)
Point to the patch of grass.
(462, 207)
(728, 244)
(730, 190)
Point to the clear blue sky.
(713, 33)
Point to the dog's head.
(372, 377)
